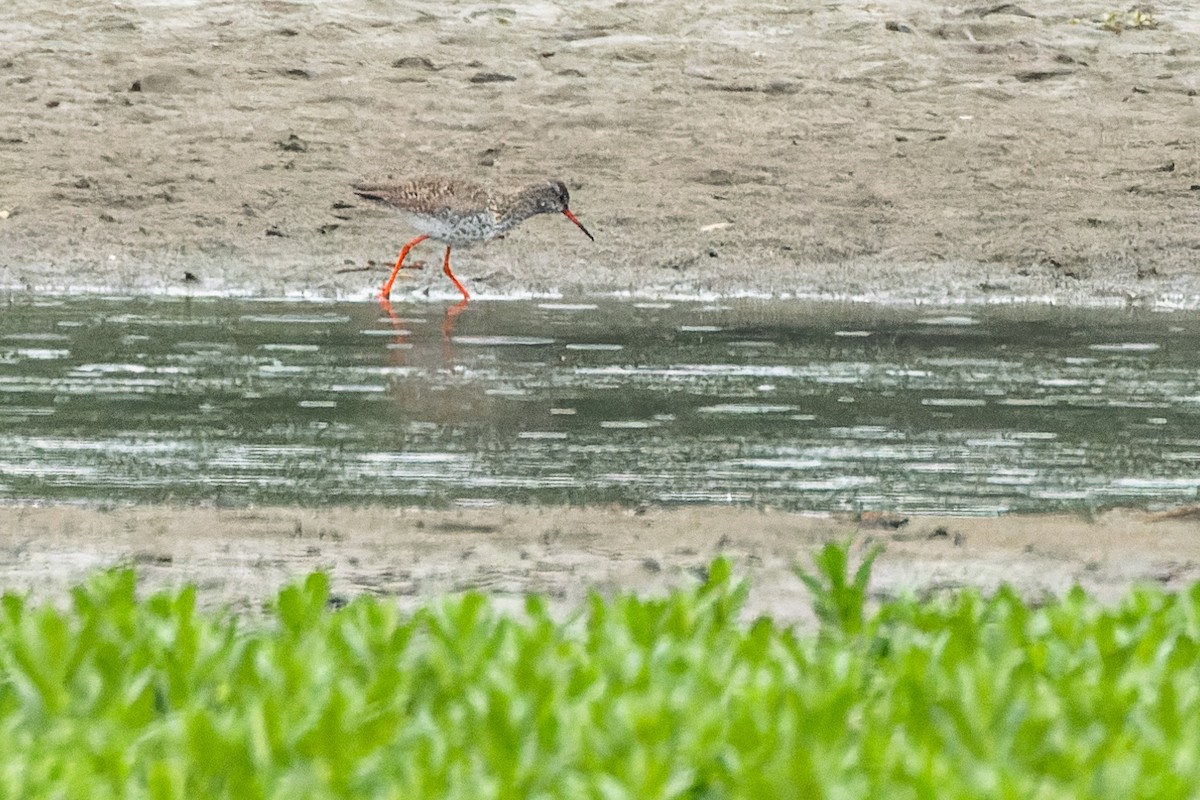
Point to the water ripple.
(809, 408)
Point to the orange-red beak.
(567, 213)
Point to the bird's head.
(554, 198)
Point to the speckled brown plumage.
(460, 213)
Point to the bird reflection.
(400, 340)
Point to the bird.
(457, 212)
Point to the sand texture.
(896, 151)
(240, 558)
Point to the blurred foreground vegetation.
(966, 697)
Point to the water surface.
(239, 402)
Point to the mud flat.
(884, 151)
(240, 558)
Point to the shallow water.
(236, 402)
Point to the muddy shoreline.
(894, 152)
(240, 558)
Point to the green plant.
(839, 600)
(1139, 16)
(965, 696)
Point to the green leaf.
(838, 601)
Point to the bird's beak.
(567, 213)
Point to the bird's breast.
(456, 229)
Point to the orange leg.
(386, 291)
(450, 275)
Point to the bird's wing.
(430, 196)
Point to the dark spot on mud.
(414, 62)
(1028, 76)
(152, 558)
(464, 527)
(487, 158)
(292, 144)
(491, 77)
(1003, 8)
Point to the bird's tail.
(369, 193)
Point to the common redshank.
(460, 213)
